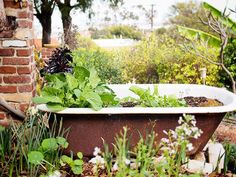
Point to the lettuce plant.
(82, 88)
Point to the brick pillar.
(17, 68)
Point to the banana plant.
(224, 19)
(212, 40)
(194, 34)
(221, 24)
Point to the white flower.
(55, 174)
(187, 131)
(165, 140)
(127, 161)
(165, 132)
(96, 151)
(174, 135)
(197, 135)
(180, 121)
(97, 160)
(193, 122)
(190, 146)
(115, 167)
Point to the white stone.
(195, 166)
(216, 153)
(14, 43)
(23, 33)
(11, 12)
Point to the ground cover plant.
(19, 139)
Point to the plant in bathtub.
(148, 99)
(81, 88)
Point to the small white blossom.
(165, 140)
(193, 122)
(97, 160)
(127, 161)
(165, 132)
(115, 167)
(96, 151)
(180, 121)
(55, 174)
(190, 147)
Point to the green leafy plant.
(75, 165)
(143, 160)
(148, 99)
(82, 88)
(18, 140)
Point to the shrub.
(160, 59)
(103, 61)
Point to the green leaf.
(108, 99)
(137, 90)
(77, 93)
(67, 159)
(219, 16)
(62, 142)
(55, 107)
(71, 81)
(78, 162)
(93, 78)
(93, 98)
(155, 92)
(50, 144)
(35, 157)
(77, 170)
(51, 91)
(2, 128)
(46, 99)
(81, 73)
(192, 34)
(80, 155)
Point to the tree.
(67, 6)
(188, 15)
(225, 28)
(44, 10)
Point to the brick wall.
(17, 68)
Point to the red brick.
(23, 107)
(23, 70)
(11, 4)
(7, 70)
(16, 79)
(25, 88)
(24, 52)
(22, 14)
(16, 61)
(2, 115)
(7, 52)
(0, 79)
(8, 89)
(24, 24)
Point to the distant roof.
(113, 43)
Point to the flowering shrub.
(143, 160)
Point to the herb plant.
(81, 88)
(148, 99)
(59, 61)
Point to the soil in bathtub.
(146, 98)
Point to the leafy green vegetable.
(148, 99)
(81, 88)
(35, 157)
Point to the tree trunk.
(46, 21)
(66, 22)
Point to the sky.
(161, 7)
